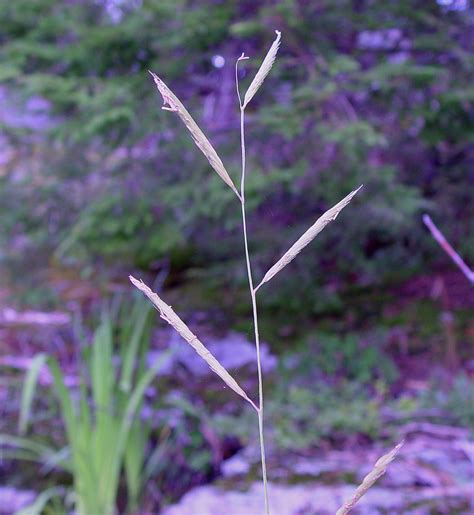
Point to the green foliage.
(117, 226)
(189, 435)
(456, 402)
(115, 181)
(302, 416)
(352, 357)
(29, 390)
(331, 389)
(328, 381)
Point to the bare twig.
(443, 243)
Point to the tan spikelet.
(329, 216)
(167, 313)
(172, 103)
(379, 470)
(263, 71)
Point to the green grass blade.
(67, 410)
(38, 506)
(86, 473)
(79, 435)
(134, 460)
(156, 460)
(59, 459)
(84, 409)
(101, 366)
(131, 409)
(27, 449)
(138, 332)
(29, 387)
(26, 444)
(139, 392)
(104, 437)
(20, 455)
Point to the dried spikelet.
(174, 104)
(263, 71)
(379, 470)
(167, 313)
(329, 216)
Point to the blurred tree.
(364, 92)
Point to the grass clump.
(106, 437)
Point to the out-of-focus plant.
(456, 401)
(350, 356)
(444, 244)
(341, 411)
(105, 431)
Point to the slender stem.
(255, 313)
(444, 244)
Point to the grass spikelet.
(329, 216)
(167, 313)
(172, 103)
(379, 470)
(263, 71)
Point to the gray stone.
(429, 475)
(316, 499)
(235, 466)
(233, 352)
(12, 500)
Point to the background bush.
(364, 92)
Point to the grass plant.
(173, 104)
(105, 434)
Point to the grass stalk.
(254, 305)
(172, 103)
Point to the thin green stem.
(254, 310)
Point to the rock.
(285, 500)
(386, 39)
(233, 352)
(12, 500)
(430, 475)
(35, 115)
(336, 462)
(11, 317)
(235, 466)
(316, 499)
